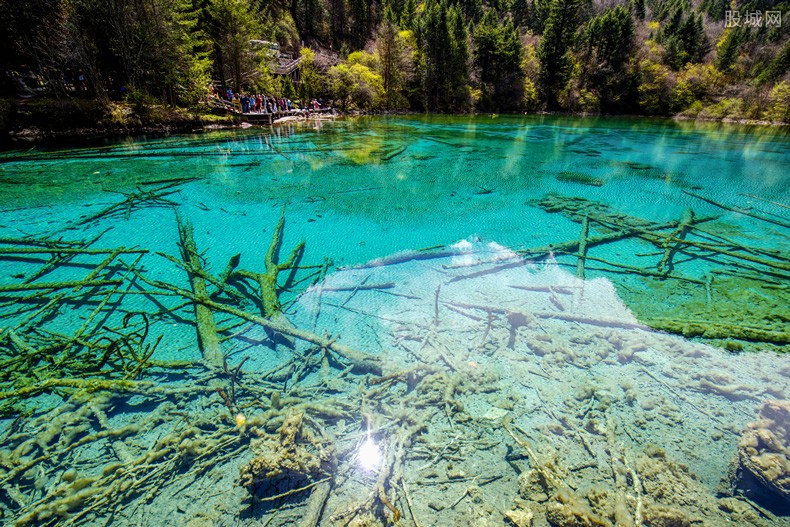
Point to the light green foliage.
(287, 88)
(266, 82)
(589, 102)
(682, 97)
(363, 58)
(653, 88)
(779, 109)
(531, 66)
(692, 111)
(695, 82)
(729, 108)
(311, 85)
(356, 86)
(703, 79)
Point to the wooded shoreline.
(27, 133)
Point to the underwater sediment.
(189, 352)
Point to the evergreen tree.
(778, 66)
(555, 48)
(359, 15)
(409, 14)
(472, 9)
(684, 40)
(716, 9)
(538, 14)
(728, 47)
(608, 43)
(388, 47)
(232, 29)
(639, 8)
(312, 15)
(498, 59)
(337, 20)
(520, 12)
(185, 64)
(443, 57)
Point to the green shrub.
(730, 108)
(589, 101)
(654, 87)
(693, 110)
(682, 97)
(779, 109)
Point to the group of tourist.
(264, 103)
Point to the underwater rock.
(764, 448)
(520, 517)
(282, 460)
(663, 516)
(670, 483)
(740, 511)
(571, 511)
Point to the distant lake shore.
(57, 123)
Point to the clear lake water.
(412, 320)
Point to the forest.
(710, 59)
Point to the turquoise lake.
(412, 320)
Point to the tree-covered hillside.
(706, 58)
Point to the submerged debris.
(764, 450)
(514, 394)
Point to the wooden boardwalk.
(264, 118)
(270, 118)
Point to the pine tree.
(472, 9)
(458, 59)
(232, 29)
(555, 48)
(389, 56)
(684, 40)
(639, 8)
(778, 66)
(538, 14)
(608, 44)
(337, 20)
(498, 60)
(443, 57)
(359, 15)
(729, 46)
(409, 15)
(313, 15)
(520, 12)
